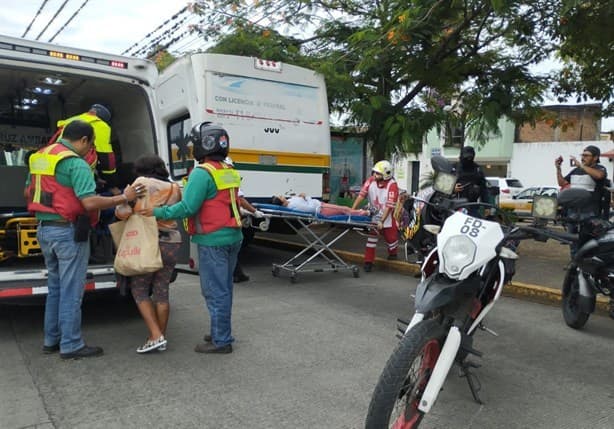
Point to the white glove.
(244, 212)
(258, 213)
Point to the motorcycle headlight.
(458, 252)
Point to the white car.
(508, 187)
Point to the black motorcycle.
(591, 270)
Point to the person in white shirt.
(302, 202)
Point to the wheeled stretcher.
(318, 255)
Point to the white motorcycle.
(462, 279)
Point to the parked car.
(508, 187)
(522, 202)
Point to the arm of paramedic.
(199, 186)
(85, 189)
(364, 192)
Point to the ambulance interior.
(31, 103)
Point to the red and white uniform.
(382, 195)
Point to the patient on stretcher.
(302, 202)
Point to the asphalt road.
(307, 355)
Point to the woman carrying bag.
(150, 290)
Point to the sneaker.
(51, 349)
(152, 345)
(83, 352)
(368, 267)
(239, 278)
(162, 348)
(211, 348)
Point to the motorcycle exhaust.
(441, 370)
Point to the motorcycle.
(462, 279)
(591, 270)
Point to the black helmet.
(467, 153)
(209, 140)
(102, 112)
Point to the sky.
(110, 26)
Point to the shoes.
(162, 348)
(368, 267)
(51, 349)
(208, 339)
(392, 257)
(83, 352)
(152, 345)
(211, 348)
(239, 278)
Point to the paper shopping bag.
(117, 229)
(138, 251)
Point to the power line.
(40, 9)
(68, 22)
(148, 35)
(52, 19)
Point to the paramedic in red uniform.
(383, 192)
(62, 193)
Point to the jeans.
(66, 262)
(216, 265)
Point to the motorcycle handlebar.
(535, 232)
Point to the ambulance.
(276, 115)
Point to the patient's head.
(279, 200)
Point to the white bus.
(41, 83)
(276, 116)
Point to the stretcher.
(318, 255)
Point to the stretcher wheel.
(275, 272)
(355, 272)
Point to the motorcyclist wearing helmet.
(471, 183)
(211, 204)
(382, 192)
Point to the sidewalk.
(539, 269)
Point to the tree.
(587, 41)
(161, 57)
(393, 65)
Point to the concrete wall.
(563, 123)
(533, 163)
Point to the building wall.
(563, 123)
(533, 163)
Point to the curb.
(525, 291)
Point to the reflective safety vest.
(222, 210)
(102, 141)
(45, 193)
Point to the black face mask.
(467, 161)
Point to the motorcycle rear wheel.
(574, 317)
(398, 392)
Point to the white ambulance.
(276, 116)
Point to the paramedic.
(101, 156)
(61, 193)
(210, 202)
(382, 192)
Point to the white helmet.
(384, 168)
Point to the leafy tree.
(161, 57)
(393, 65)
(586, 31)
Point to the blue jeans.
(66, 262)
(216, 265)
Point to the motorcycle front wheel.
(574, 317)
(396, 397)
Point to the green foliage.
(391, 66)
(586, 30)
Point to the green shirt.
(74, 173)
(200, 187)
